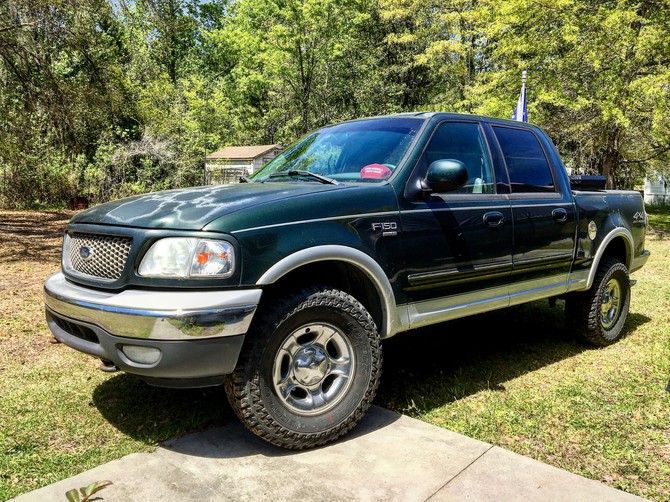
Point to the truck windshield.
(357, 151)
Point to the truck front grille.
(101, 256)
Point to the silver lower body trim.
(443, 309)
(429, 312)
(155, 315)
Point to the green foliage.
(84, 83)
(598, 80)
(86, 491)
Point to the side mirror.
(444, 175)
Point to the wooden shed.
(227, 165)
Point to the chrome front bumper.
(168, 338)
(155, 315)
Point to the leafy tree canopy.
(109, 98)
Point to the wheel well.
(335, 274)
(616, 249)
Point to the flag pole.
(524, 73)
(520, 113)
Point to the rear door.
(543, 213)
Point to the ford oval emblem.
(86, 253)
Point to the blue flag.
(521, 112)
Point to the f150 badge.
(388, 228)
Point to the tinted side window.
(526, 163)
(463, 141)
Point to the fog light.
(141, 355)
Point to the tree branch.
(15, 26)
(657, 153)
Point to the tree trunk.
(612, 160)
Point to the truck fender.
(609, 237)
(349, 255)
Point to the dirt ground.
(30, 248)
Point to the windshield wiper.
(296, 172)
(244, 179)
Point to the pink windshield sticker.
(375, 171)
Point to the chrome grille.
(102, 256)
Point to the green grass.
(59, 415)
(600, 413)
(659, 220)
(62, 416)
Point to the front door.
(459, 244)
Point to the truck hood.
(193, 208)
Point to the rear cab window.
(527, 164)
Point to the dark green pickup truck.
(283, 287)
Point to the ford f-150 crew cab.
(282, 287)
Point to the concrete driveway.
(388, 457)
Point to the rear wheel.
(309, 369)
(599, 314)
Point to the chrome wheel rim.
(313, 369)
(611, 304)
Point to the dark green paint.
(443, 245)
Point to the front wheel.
(599, 314)
(309, 369)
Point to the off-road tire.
(252, 388)
(584, 310)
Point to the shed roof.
(242, 152)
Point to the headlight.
(188, 257)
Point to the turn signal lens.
(212, 258)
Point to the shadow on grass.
(423, 369)
(430, 367)
(195, 422)
(659, 221)
(155, 415)
(32, 235)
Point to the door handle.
(560, 215)
(494, 218)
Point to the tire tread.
(583, 308)
(243, 385)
